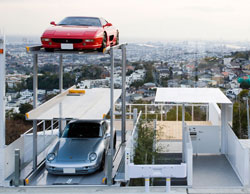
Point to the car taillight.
(46, 39)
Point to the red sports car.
(80, 33)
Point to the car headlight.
(46, 39)
(89, 40)
(51, 156)
(92, 156)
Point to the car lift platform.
(88, 104)
(97, 178)
(41, 50)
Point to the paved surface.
(114, 189)
(213, 171)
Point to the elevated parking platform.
(41, 50)
(76, 104)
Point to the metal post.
(207, 113)
(61, 90)
(147, 181)
(2, 108)
(176, 112)
(61, 73)
(154, 141)
(35, 86)
(110, 151)
(51, 126)
(130, 111)
(146, 112)
(17, 168)
(223, 128)
(248, 127)
(192, 112)
(161, 112)
(183, 130)
(168, 184)
(135, 114)
(44, 138)
(123, 93)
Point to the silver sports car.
(81, 148)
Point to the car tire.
(49, 49)
(117, 39)
(104, 43)
(102, 166)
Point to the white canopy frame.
(197, 95)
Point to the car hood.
(71, 149)
(72, 31)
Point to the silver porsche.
(81, 148)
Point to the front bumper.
(85, 169)
(83, 45)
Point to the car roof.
(82, 17)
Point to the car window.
(82, 130)
(104, 22)
(81, 21)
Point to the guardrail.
(24, 144)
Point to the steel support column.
(35, 86)
(2, 108)
(110, 152)
(123, 93)
(223, 128)
(60, 123)
(183, 130)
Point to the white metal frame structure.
(229, 144)
(37, 50)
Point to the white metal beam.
(157, 171)
(35, 87)
(2, 108)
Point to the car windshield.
(82, 130)
(81, 21)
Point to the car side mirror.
(108, 24)
(53, 23)
(107, 135)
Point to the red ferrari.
(80, 33)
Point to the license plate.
(67, 46)
(69, 170)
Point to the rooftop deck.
(172, 130)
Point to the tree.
(24, 108)
(137, 84)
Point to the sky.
(136, 19)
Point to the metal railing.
(45, 135)
(160, 111)
(148, 171)
(134, 136)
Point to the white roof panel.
(191, 95)
(91, 105)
